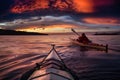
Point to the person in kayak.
(84, 39)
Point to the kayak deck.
(51, 68)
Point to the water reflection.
(20, 53)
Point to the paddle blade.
(74, 31)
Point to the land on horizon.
(108, 33)
(13, 32)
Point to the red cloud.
(89, 6)
(81, 6)
(29, 5)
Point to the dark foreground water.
(20, 53)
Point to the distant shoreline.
(107, 33)
(12, 32)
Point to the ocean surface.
(18, 54)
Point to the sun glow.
(48, 29)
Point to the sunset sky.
(60, 15)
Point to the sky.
(60, 15)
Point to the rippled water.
(20, 53)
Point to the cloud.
(102, 21)
(80, 6)
(38, 21)
(21, 9)
(80, 14)
(85, 23)
(31, 5)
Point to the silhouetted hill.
(12, 32)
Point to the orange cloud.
(29, 5)
(90, 6)
(61, 5)
(112, 21)
(85, 6)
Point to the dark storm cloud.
(109, 8)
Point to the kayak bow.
(51, 68)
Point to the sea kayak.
(51, 68)
(90, 45)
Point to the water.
(20, 53)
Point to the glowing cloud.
(105, 21)
(30, 5)
(85, 6)
(90, 6)
(81, 6)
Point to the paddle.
(74, 31)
